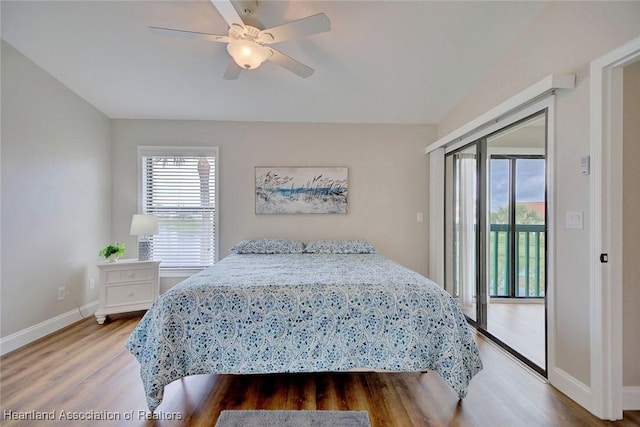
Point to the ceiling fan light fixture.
(248, 54)
(249, 42)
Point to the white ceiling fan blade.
(302, 27)
(228, 12)
(188, 34)
(233, 70)
(290, 64)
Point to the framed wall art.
(301, 190)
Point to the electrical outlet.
(62, 293)
(92, 283)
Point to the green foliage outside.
(524, 215)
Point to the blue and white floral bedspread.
(303, 313)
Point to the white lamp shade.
(144, 225)
(248, 54)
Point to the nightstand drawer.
(129, 275)
(127, 294)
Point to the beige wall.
(631, 226)
(564, 38)
(387, 179)
(56, 195)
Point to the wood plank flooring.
(84, 371)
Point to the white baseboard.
(582, 393)
(631, 398)
(570, 386)
(30, 334)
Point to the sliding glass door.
(495, 235)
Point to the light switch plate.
(574, 220)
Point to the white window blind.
(178, 185)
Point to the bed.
(276, 306)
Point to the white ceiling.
(382, 62)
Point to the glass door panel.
(530, 226)
(516, 203)
(499, 242)
(461, 192)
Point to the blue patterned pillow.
(339, 247)
(268, 246)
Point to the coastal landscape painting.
(301, 190)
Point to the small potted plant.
(113, 251)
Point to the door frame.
(606, 230)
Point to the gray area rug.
(264, 418)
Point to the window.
(179, 186)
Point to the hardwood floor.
(84, 371)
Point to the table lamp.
(144, 226)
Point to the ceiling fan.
(249, 44)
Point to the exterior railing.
(529, 262)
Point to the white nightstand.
(127, 285)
